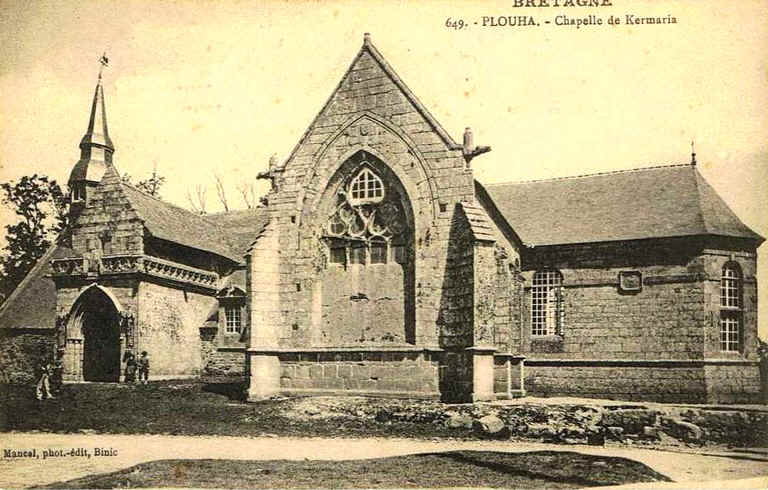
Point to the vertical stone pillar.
(263, 305)
(482, 373)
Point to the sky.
(199, 89)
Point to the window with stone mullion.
(546, 304)
(233, 319)
(730, 309)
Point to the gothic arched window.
(368, 223)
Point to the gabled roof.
(241, 228)
(227, 234)
(370, 49)
(33, 303)
(653, 202)
(178, 225)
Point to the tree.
(42, 208)
(197, 201)
(220, 192)
(151, 185)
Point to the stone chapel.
(378, 265)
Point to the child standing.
(43, 388)
(143, 364)
(130, 367)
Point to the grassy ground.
(189, 407)
(540, 469)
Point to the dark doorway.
(101, 338)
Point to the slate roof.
(241, 228)
(33, 303)
(655, 202)
(223, 233)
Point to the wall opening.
(367, 231)
(94, 346)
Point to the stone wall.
(402, 373)
(362, 304)
(674, 317)
(456, 319)
(671, 382)
(21, 351)
(736, 382)
(369, 113)
(108, 225)
(169, 328)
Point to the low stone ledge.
(418, 395)
(331, 350)
(656, 363)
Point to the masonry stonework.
(378, 265)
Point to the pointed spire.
(96, 147)
(97, 133)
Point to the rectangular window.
(378, 253)
(233, 319)
(357, 255)
(339, 255)
(546, 304)
(729, 331)
(730, 308)
(729, 289)
(78, 192)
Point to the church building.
(378, 265)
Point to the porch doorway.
(94, 342)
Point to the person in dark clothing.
(130, 367)
(44, 369)
(143, 364)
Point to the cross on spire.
(693, 154)
(104, 61)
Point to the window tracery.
(367, 220)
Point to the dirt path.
(133, 449)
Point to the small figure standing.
(57, 375)
(43, 388)
(143, 367)
(130, 367)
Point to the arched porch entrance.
(93, 338)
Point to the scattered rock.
(491, 426)
(650, 432)
(383, 416)
(682, 430)
(667, 440)
(632, 420)
(459, 421)
(595, 436)
(614, 433)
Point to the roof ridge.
(167, 203)
(246, 210)
(596, 174)
(700, 203)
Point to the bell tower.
(96, 151)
